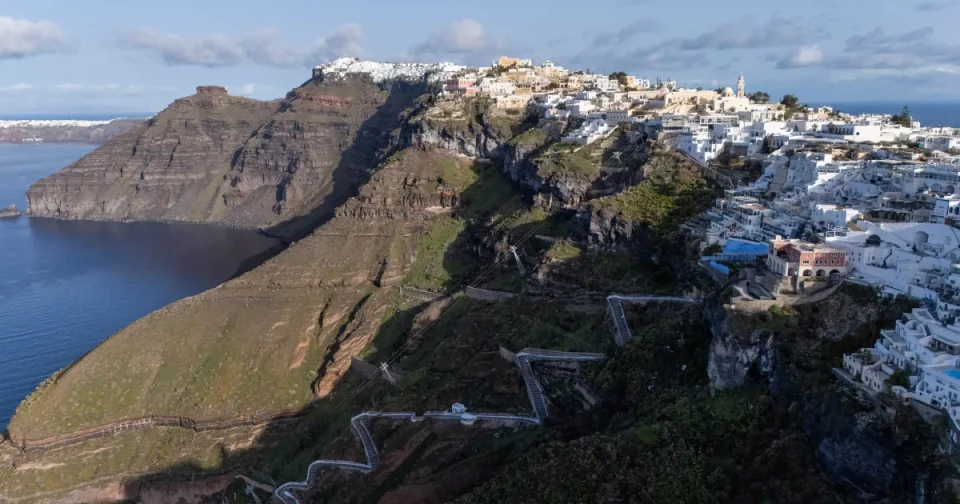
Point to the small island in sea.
(10, 211)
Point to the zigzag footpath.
(534, 392)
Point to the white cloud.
(346, 41)
(248, 89)
(19, 87)
(461, 37)
(210, 51)
(20, 38)
(263, 48)
(803, 57)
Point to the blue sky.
(120, 56)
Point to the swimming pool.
(734, 246)
(953, 373)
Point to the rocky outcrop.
(212, 157)
(466, 127)
(10, 211)
(273, 339)
(735, 350)
(548, 189)
(607, 230)
(171, 167)
(328, 136)
(474, 140)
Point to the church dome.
(727, 92)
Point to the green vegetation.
(660, 437)
(900, 378)
(443, 259)
(620, 77)
(569, 159)
(903, 118)
(431, 271)
(533, 136)
(791, 106)
(673, 191)
(759, 97)
(563, 249)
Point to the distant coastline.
(928, 113)
(76, 117)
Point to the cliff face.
(327, 136)
(274, 339)
(737, 350)
(169, 168)
(212, 157)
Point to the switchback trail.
(358, 422)
(534, 392)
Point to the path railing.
(534, 391)
(615, 309)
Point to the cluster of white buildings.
(847, 197)
(598, 101)
(918, 360)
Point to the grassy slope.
(672, 191)
(251, 345)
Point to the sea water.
(65, 286)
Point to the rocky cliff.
(212, 157)
(171, 167)
(272, 340)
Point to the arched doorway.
(807, 273)
(821, 273)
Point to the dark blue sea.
(66, 285)
(928, 113)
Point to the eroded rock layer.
(212, 157)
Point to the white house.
(588, 133)
(939, 142)
(832, 216)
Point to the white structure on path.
(457, 413)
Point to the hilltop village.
(814, 197)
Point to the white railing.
(534, 391)
(538, 402)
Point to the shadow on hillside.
(372, 143)
(284, 449)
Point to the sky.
(113, 56)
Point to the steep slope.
(266, 343)
(169, 168)
(212, 157)
(327, 135)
